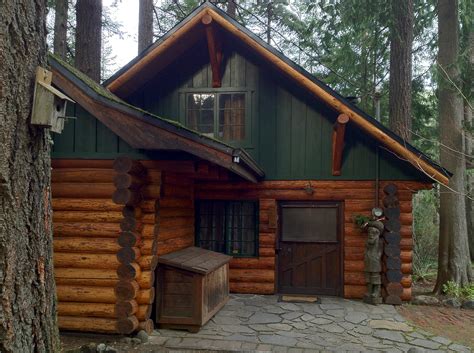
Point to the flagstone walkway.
(261, 323)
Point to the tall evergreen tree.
(401, 42)
(88, 37)
(60, 28)
(27, 290)
(145, 24)
(454, 263)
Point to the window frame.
(227, 240)
(246, 142)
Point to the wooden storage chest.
(192, 285)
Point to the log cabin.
(212, 138)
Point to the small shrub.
(454, 290)
(361, 220)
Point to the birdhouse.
(49, 104)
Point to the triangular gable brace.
(172, 44)
(143, 130)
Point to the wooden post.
(214, 45)
(338, 143)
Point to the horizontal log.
(144, 312)
(85, 273)
(354, 253)
(151, 191)
(149, 230)
(82, 175)
(266, 239)
(184, 167)
(251, 275)
(175, 212)
(358, 206)
(86, 294)
(83, 190)
(266, 252)
(146, 279)
(147, 262)
(354, 291)
(148, 247)
(252, 288)
(253, 263)
(76, 260)
(177, 191)
(87, 216)
(171, 245)
(86, 229)
(95, 282)
(167, 234)
(87, 309)
(177, 222)
(72, 204)
(354, 278)
(169, 202)
(145, 296)
(177, 179)
(148, 206)
(86, 245)
(354, 266)
(87, 324)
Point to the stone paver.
(255, 323)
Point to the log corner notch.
(214, 45)
(338, 143)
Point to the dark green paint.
(290, 135)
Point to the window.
(220, 115)
(309, 222)
(229, 227)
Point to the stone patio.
(262, 323)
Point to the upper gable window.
(219, 115)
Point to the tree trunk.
(400, 68)
(89, 37)
(145, 24)
(269, 21)
(453, 262)
(231, 8)
(60, 28)
(28, 306)
(469, 122)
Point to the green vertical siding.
(290, 134)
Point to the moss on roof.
(105, 93)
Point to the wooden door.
(309, 248)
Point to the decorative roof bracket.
(338, 143)
(214, 45)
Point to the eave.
(131, 76)
(142, 130)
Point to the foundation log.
(87, 324)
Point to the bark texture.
(231, 8)
(400, 67)
(469, 120)
(89, 37)
(145, 24)
(454, 262)
(27, 290)
(60, 28)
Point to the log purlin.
(257, 275)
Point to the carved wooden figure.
(373, 263)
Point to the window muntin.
(229, 227)
(220, 115)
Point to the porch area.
(263, 323)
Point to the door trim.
(340, 235)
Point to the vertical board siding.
(290, 134)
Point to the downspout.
(377, 97)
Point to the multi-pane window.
(229, 227)
(220, 115)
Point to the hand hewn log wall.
(257, 275)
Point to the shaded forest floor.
(455, 324)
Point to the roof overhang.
(161, 53)
(142, 130)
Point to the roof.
(143, 130)
(195, 260)
(159, 54)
